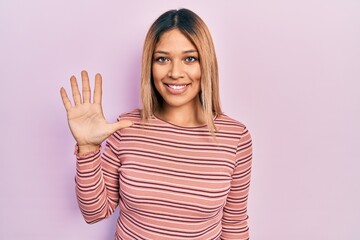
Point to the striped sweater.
(170, 182)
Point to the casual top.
(171, 182)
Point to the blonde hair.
(194, 28)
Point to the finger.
(98, 89)
(120, 124)
(65, 99)
(75, 91)
(86, 92)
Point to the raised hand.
(86, 119)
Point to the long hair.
(194, 28)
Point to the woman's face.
(176, 70)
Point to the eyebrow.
(167, 53)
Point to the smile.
(177, 87)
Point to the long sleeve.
(234, 221)
(97, 186)
(175, 182)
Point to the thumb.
(120, 124)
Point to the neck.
(187, 116)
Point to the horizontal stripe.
(171, 182)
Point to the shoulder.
(224, 123)
(228, 126)
(134, 115)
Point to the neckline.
(179, 126)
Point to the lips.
(176, 88)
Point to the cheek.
(156, 77)
(154, 73)
(158, 72)
(195, 73)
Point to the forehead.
(174, 40)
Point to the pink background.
(290, 70)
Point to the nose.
(176, 70)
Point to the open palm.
(86, 119)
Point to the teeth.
(177, 87)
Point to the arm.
(96, 178)
(97, 184)
(234, 221)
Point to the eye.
(161, 59)
(190, 59)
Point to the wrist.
(87, 148)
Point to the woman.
(179, 168)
